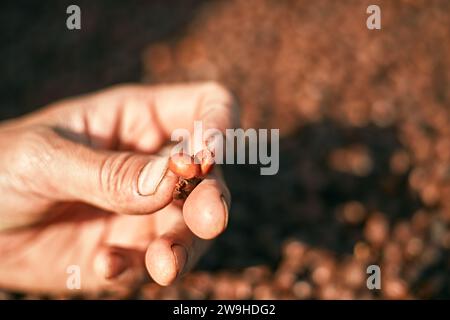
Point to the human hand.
(81, 184)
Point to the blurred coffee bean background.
(364, 117)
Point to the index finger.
(179, 106)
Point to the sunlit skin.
(70, 193)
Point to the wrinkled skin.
(70, 194)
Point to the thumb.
(123, 182)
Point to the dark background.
(364, 117)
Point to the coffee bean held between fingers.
(191, 171)
(184, 166)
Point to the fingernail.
(180, 254)
(152, 175)
(225, 205)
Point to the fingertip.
(165, 261)
(206, 211)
